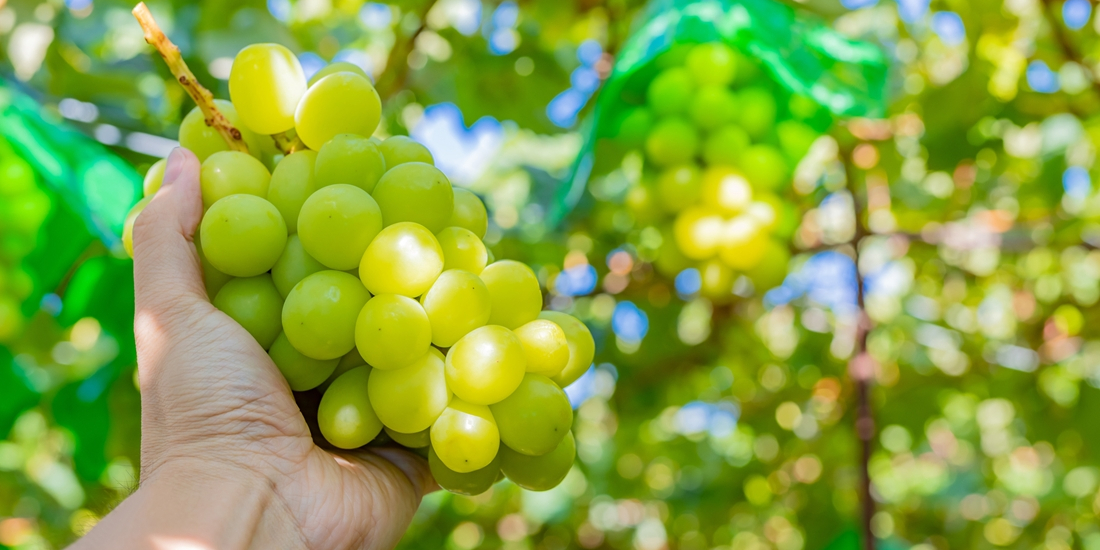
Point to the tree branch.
(202, 97)
(1069, 51)
(861, 369)
(397, 64)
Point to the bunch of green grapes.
(720, 141)
(23, 209)
(362, 272)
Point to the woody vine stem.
(202, 97)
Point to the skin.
(227, 460)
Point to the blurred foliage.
(969, 210)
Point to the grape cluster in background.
(359, 268)
(707, 143)
(971, 206)
(23, 208)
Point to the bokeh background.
(957, 227)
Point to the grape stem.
(202, 97)
(288, 144)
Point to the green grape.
(716, 279)
(465, 436)
(642, 201)
(204, 140)
(392, 332)
(670, 92)
(340, 103)
(403, 149)
(417, 440)
(457, 303)
(469, 483)
(486, 365)
(409, 399)
(770, 272)
(415, 192)
(698, 232)
(337, 223)
(405, 258)
(713, 107)
(293, 265)
(764, 166)
(25, 212)
(764, 214)
(292, 182)
(153, 178)
(14, 246)
(786, 215)
(21, 284)
(349, 361)
(678, 187)
(674, 56)
(514, 289)
(803, 107)
(266, 84)
(544, 346)
(243, 235)
(16, 177)
(757, 114)
(128, 225)
(255, 304)
(725, 145)
(713, 63)
(748, 69)
(345, 415)
(319, 314)
(743, 243)
(535, 418)
(795, 138)
(633, 126)
(301, 372)
(672, 141)
(338, 67)
(539, 473)
(232, 173)
(462, 250)
(726, 189)
(582, 348)
(11, 319)
(212, 279)
(350, 159)
(469, 213)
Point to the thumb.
(167, 272)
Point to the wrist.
(203, 505)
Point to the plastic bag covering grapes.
(803, 55)
(90, 188)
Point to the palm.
(211, 392)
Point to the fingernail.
(174, 166)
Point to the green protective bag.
(91, 190)
(95, 183)
(804, 55)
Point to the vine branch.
(202, 97)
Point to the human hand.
(227, 460)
